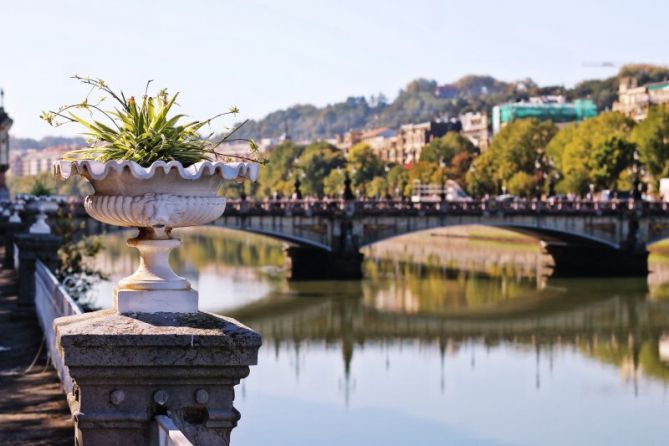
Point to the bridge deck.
(33, 408)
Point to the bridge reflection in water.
(433, 348)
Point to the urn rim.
(97, 170)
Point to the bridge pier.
(305, 263)
(574, 260)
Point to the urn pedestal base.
(151, 301)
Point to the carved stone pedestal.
(129, 368)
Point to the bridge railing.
(311, 206)
(327, 207)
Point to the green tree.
(460, 165)
(443, 150)
(519, 147)
(315, 164)
(364, 165)
(277, 174)
(523, 184)
(596, 151)
(333, 184)
(377, 188)
(609, 160)
(480, 179)
(652, 139)
(398, 180)
(425, 172)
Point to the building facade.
(635, 101)
(36, 161)
(476, 128)
(550, 108)
(411, 138)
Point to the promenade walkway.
(33, 408)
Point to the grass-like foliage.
(143, 131)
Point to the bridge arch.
(541, 234)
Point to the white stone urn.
(16, 208)
(155, 200)
(43, 205)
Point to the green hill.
(419, 101)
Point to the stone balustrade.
(136, 379)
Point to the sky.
(263, 55)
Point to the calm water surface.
(432, 355)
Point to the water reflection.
(433, 354)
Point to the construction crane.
(605, 64)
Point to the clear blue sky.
(264, 55)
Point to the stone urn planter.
(42, 206)
(155, 199)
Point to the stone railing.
(53, 301)
(169, 434)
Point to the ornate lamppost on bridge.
(637, 186)
(348, 191)
(297, 191)
(442, 193)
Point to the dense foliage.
(652, 139)
(596, 151)
(515, 161)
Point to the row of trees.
(528, 157)
(609, 151)
(321, 169)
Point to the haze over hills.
(419, 100)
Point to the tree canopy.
(518, 150)
(652, 139)
(595, 151)
(315, 163)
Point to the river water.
(446, 341)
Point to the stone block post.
(128, 368)
(33, 247)
(9, 230)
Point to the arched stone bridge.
(584, 238)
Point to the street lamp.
(636, 185)
(297, 191)
(348, 192)
(5, 124)
(442, 195)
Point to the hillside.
(418, 101)
(47, 141)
